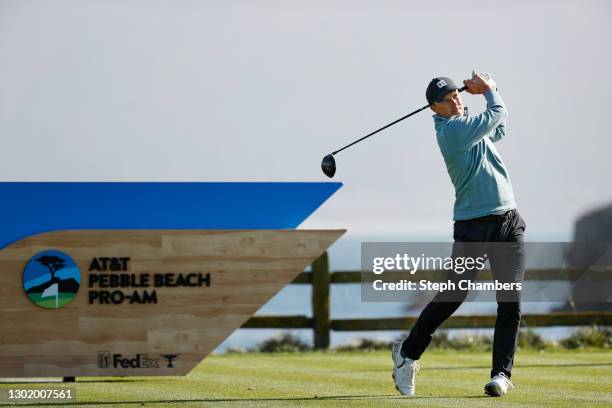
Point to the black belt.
(491, 217)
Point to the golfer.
(484, 213)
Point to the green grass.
(49, 302)
(362, 379)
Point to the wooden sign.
(150, 302)
(143, 278)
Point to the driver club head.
(328, 165)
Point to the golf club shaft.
(390, 124)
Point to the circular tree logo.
(51, 279)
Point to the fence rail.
(320, 278)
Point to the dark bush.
(284, 342)
(441, 340)
(528, 339)
(366, 344)
(600, 337)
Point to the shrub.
(283, 342)
(366, 345)
(235, 350)
(528, 339)
(471, 342)
(441, 340)
(600, 337)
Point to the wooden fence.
(320, 278)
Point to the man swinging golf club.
(484, 212)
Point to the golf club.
(328, 164)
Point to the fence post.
(320, 301)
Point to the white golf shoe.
(498, 385)
(404, 371)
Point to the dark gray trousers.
(474, 238)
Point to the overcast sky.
(262, 90)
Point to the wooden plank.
(320, 301)
(278, 322)
(477, 321)
(484, 275)
(304, 278)
(533, 274)
(568, 319)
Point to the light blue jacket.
(482, 184)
